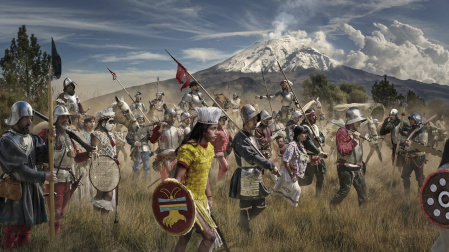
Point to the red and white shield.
(434, 198)
(173, 207)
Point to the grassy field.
(390, 222)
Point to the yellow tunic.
(198, 159)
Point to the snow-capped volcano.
(292, 54)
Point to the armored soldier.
(68, 98)
(392, 125)
(105, 141)
(138, 105)
(286, 98)
(185, 124)
(246, 183)
(121, 141)
(276, 126)
(263, 134)
(192, 99)
(315, 166)
(66, 155)
(349, 158)
(414, 159)
(169, 137)
(140, 149)
(159, 103)
(20, 152)
(222, 147)
(294, 121)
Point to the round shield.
(434, 198)
(173, 207)
(104, 173)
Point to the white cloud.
(402, 51)
(131, 56)
(354, 35)
(205, 54)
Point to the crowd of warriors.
(286, 142)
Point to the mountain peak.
(292, 53)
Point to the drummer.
(104, 140)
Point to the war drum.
(173, 207)
(435, 198)
(104, 173)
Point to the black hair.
(278, 137)
(297, 131)
(196, 135)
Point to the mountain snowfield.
(293, 55)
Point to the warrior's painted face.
(211, 133)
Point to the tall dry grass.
(390, 222)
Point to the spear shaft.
(300, 107)
(218, 105)
(266, 88)
(50, 156)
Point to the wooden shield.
(104, 173)
(434, 197)
(173, 207)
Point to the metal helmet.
(354, 115)
(139, 115)
(296, 114)
(68, 82)
(158, 94)
(168, 112)
(59, 111)
(184, 115)
(416, 117)
(394, 112)
(235, 96)
(248, 112)
(286, 81)
(19, 110)
(264, 115)
(138, 94)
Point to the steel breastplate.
(24, 142)
(72, 102)
(356, 155)
(287, 98)
(242, 160)
(169, 139)
(196, 101)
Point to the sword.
(225, 245)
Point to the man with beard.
(88, 128)
(68, 98)
(169, 137)
(392, 125)
(315, 166)
(246, 183)
(349, 158)
(86, 191)
(291, 124)
(104, 140)
(139, 144)
(138, 105)
(65, 156)
(222, 147)
(192, 99)
(414, 159)
(286, 98)
(20, 152)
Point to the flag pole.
(114, 77)
(218, 105)
(50, 156)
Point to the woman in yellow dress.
(195, 156)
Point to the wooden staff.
(300, 107)
(396, 157)
(50, 156)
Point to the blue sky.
(129, 36)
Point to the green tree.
(317, 85)
(356, 92)
(384, 92)
(25, 70)
(414, 102)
